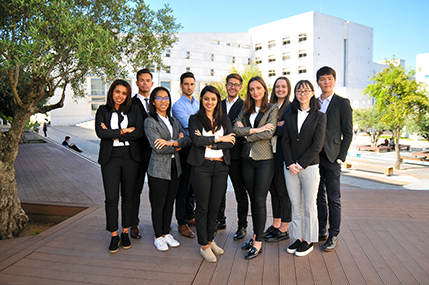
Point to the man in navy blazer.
(338, 137)
(141, 100)
(231, 106)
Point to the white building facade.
(295, 47)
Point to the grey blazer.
(160, 159)
(260, 144)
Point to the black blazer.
(144, 143)
(199, 143)
(339, 128)
(235, 151)
(304, 147)
(104, 113)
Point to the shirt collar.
(329, 98)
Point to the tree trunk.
(397, 135)
(12, 216)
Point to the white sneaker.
(160, 244)
(215, 248)
(169, 239)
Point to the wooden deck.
(383, 240)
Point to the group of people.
(264, 143)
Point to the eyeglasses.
(236, 85)
(159, 98)
(305, 92)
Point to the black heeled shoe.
(248, 245)
(252, 253)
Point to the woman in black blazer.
(256, 122)
(166, 137)
(303, 137)
(280, 202)
(211, 135)
(119, 125)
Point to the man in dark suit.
(231, 106)
(141, 99)
(339, 135)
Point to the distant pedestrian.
(45, 128)
(67, 143)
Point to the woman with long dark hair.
(256, 122)
(166, 137)
(119, 125)
(303, 137)
(211, 135)
(279, 197)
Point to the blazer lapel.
(332, 103)
(308, 121)
(224, 106)
(294, 122)
(258, 119)
(166, 132)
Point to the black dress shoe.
(331, 243)
(220, 226)
(277, 236)
(323, 236)
(248, 244)
(252, 253)
(269, 231)
(126, 243)
(240, 233)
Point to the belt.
(214, 159)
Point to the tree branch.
(13, 84)
(59, 104)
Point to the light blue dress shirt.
(183, 109)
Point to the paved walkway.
(383, 238)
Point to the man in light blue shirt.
(186, 106)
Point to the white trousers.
(302, 189)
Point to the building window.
(271, 73)
(188, 69)
(286, 41)
(214, 42)
(212, 57)
(166, 84)
(302, 70)
(258, 60)
(98, 87)
(286, 71)
(228, 44)
(168, 69)
(248, 61)
(271, 58)
(152, 69)
(168, 53)
(271, 44)
(211, 72)
(286, 56)
(302, 53)
(258, 47)
(94, 107)
(233, 59)
(188, 55)
(302, 37)
(245, 46)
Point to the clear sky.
(401, 28)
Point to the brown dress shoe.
(135, 232)
(186, 231)
(191, 222)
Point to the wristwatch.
(172, 142)
(216, 139)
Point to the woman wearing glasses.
(303, 137)
(119, 125)
(212, 137)
(256, 122)
(166, 137)
(279, 198)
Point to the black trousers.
(185, 199)
(162, 193)
(280, 201)
(257, 175)
(209, 182)
(135, 208)
(119, 176)
(241, 197)
(329, 187)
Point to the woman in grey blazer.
(256, 122)
(166, 137)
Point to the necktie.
(146, 101)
